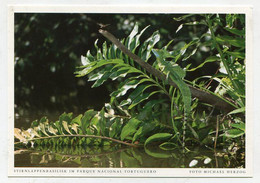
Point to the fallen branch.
(88, 136)
(202, 95)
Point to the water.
(124, 157)
(118, 156)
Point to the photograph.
(129, 94)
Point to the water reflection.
(124, 157)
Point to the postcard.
(146, 91)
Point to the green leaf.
(42, 128)
(125, 82)
(84, 60)
(19, 136)
(57, 125)
(94, 65)
(129, 85)
(236, 54)
(192, 53)
(160, 154)
(240, 110)
(104, 50)
(130, 128)
(182, 17)
(152, 103)
(52, 130)
(88, 59)
(125, 102)
(229, 20)
(121, 70)
(237, 42)
(183, 50)
(111, 52)
(136, 42)
(235, 31)
(163, 54)
(168, 146)
(142, 97)
(115, 128)
(77, 120)
(85, 121)
(132, 35)
(143, 130)
(65, 126)
(118, 74)
(158, 137)
(102, 122)
(194, 133)
(43, 120)
(234, 133)
(128, 160)
(99, 55)
(209, 59)
(34, 123)
(166, 66)
(95, 77)
(185, 91)
(122, 91)
(137, 95)
(240, 126)
(74, 127)
(176, 76)
(147, 46)
(103, 78)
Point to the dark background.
(48, 48)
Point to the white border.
(126, 172)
